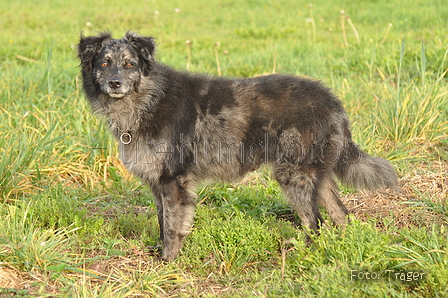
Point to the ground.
(402, 209)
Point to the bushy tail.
(359, 170)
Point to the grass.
(74, 223)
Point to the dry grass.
(137, 273)
(14, 279)
(403, 208)
(11, 278)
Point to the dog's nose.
(115, 83)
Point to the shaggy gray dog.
(178, 128)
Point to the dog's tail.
(357, 169)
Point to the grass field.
(74, 223)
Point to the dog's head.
(116, 65)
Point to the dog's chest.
(145, 158)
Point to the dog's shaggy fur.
(178, 128)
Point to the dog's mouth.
(116, 95)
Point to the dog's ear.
(145, 47)
(89, 46)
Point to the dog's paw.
(155, 250)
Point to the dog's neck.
(124, 116)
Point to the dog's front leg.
(176, 211)
(158, 200)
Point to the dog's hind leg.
(328, 197)
(299, 187)
(175, 211)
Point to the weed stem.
(349, 21)
(188, 43)
(218, 65)
(344, 35)
(313, 23)
(389, 27)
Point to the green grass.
(74, 223)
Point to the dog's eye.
(104, 64)
(129, 64)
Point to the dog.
(176, 129)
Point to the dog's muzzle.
(115, 88)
